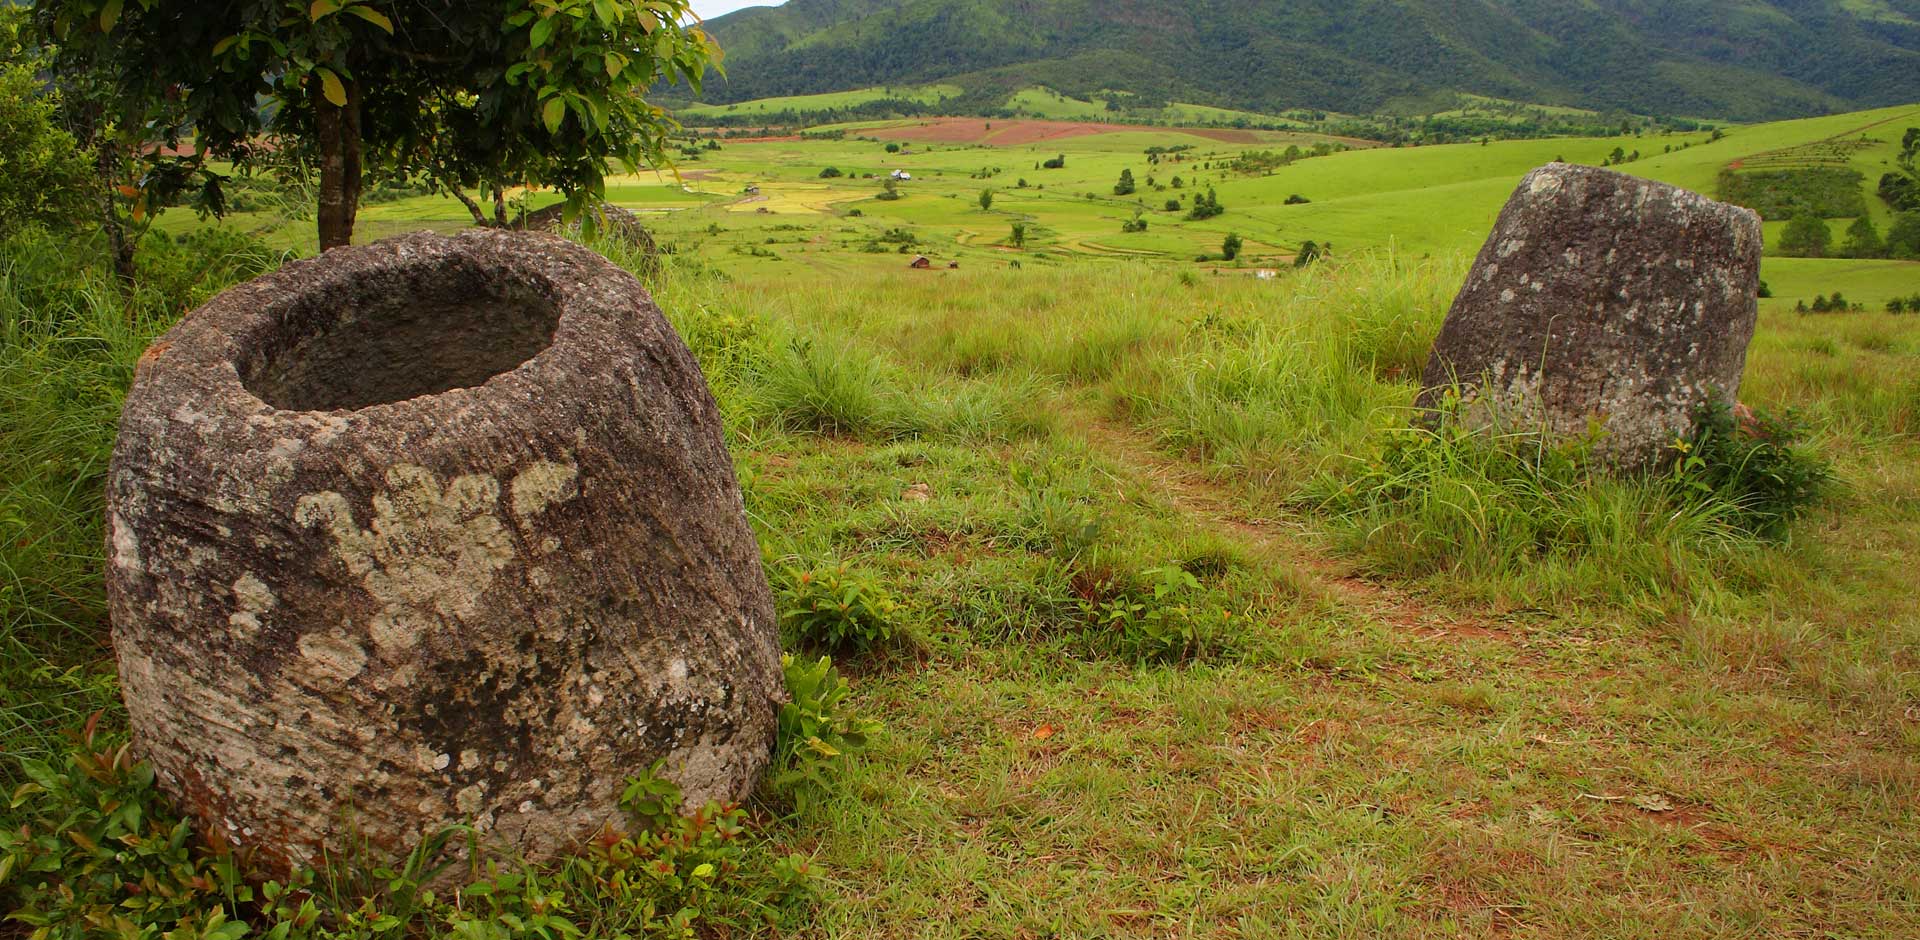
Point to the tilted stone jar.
(438, 530)
(1601, 301)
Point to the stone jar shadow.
(435, 531)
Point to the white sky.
(709, 9)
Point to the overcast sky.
(708, 9)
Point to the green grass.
(68, 341)
(1434, 201)
(802, 104)
(1473, 755)
(1500, 700)
(1050, 104)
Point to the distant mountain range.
(1736, 59)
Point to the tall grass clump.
(1528, 517)
(1276, 380)
(810, 385)
(775, 362)
(70, 334)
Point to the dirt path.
(1279, 539)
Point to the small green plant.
(1755, 463)
(817, 727)
(1061, 525)
(835, 608)
(1167, 621)
(97, 852)
(667, 873)
(97, 849)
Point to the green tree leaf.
(373, 16)
(541, 32)
(331, 86)
(554, 114)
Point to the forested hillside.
(1738, 59)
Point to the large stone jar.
(1602, 299)
(434, 531)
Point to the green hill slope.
(1740, 59)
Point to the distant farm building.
(901, 175)
(922, 262)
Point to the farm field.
(930, 94)
(1433, 201)
(1191, 634)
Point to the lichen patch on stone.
(333, 654)
(251, 598)
(432, 550)
(541, 485)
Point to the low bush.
(94, 850)
(818, 729)
(1755, 465)
(832, 607)
(1167, 618)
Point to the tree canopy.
(47, 177)
(544, 93)
(1806, 236)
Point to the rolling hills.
(1736, 59)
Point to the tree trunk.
(107, 165)
(499, 206)
(338, 129)
(473, 208)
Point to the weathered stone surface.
(621, 223)
(1602, 295)
(435, 530)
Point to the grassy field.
(926, 94)
(1657, 733)
(1415, 688)
(1435, 201)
